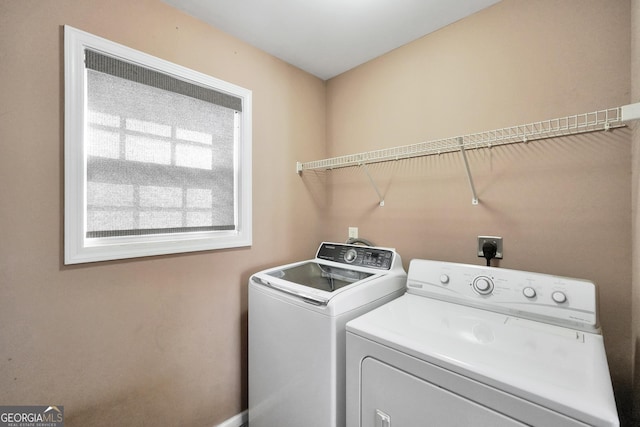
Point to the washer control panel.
(536, 296)
(361, 256)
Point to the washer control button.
(350, 255)
(444, 279)
(529, 292)
(559, 297)
(483, 285)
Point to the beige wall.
(635, 97)
(563, 205)
(159, 341)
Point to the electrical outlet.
(496, 240)
(353, 232)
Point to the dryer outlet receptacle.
(493, 239)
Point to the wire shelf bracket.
(601, 120)
(373, 183)
(474, 200)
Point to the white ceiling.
(329, 37)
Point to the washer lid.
(318, 283)
(559, 368)
(314, 275)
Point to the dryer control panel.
(558, 300)
(361, 256)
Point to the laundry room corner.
(475, 129)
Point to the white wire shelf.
(601, 120)
(570, 125)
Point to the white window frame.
(79, 248)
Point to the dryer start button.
(559, 297)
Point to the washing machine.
(297, 317)
(480, 346)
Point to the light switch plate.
(353, 232)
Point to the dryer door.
(421, 403)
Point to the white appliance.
(480, 346)
(297, 317)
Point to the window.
(157, 156)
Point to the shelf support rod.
(474, 200)
(373, 183)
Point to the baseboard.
(236, 421)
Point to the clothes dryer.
(297, 317)
(480, 346)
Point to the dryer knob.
(444, 279)
(483, 285)
(559, 297)
(529, 292)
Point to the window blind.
(160, 152)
